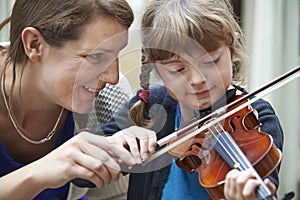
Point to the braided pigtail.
(136, 111)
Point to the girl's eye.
(172, 72)
(213, 62)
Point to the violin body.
(199, 154)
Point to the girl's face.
(74, 74)
(197, 81)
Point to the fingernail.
(145, 157)
(152, 149)
(138, 160)
(116, 178)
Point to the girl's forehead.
(191, 55)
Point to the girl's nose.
(111, 73)
(197, 77)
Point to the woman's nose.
(111, 73)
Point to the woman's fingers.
(146, 140)
(133, 144)
(104, 165)
(100, 155)
(115, 151)
(140, 142)
(81, 171)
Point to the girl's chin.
(203, 105)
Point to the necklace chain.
(42, 141)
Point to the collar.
(225, 99)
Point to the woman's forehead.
(105, 34)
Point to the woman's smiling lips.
(92, 91)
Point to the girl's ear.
(33, 42)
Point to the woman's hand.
(85, 156)
(242, 185)
(140, 142)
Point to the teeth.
(90, 89)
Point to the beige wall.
(272, 32)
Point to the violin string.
(237, 156)
(227, 147)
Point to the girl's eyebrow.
(169, 62)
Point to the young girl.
(61, 54)
(196, 48)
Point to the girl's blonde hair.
(170, 26)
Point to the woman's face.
(74, 73)
(197, 81)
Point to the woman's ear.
(33, 42)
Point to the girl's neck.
(186, 112)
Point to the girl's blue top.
(180, 183)
(8, 165)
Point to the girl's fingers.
(250, 186)
(230, 187)
(270, 185)
(240, 185)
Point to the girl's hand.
(140, 142)
(242, 185)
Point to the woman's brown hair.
(58, 21)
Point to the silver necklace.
(42, 141)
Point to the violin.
(237, 143)
(228, 138)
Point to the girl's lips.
(203, 93)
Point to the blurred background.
(272, 37)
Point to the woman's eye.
(212, 62)
(95, 57)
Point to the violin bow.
(221, 114)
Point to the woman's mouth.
(94, 91)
